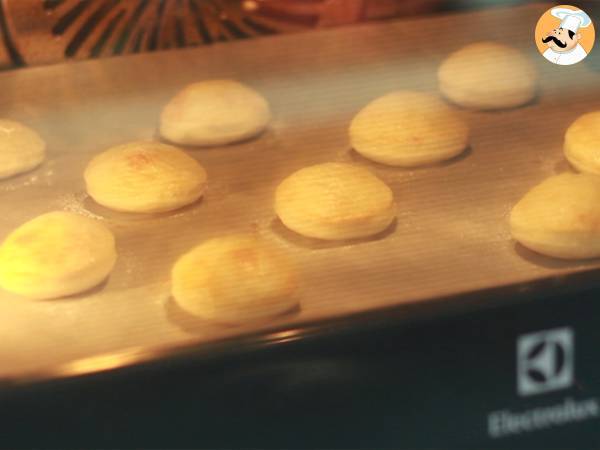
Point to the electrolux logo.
(545, 361)
(505, 422)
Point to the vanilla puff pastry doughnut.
(144, 177)
(488, 75)
(335, 201)
(582, 143)
(407, 128)
(214, 112)
(21, 148)
(560, 217)
(55, 255)
(234, 279)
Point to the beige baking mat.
(451, 236)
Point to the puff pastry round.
(335, 201)
(55, 255)
(21, 148)
(582, 143)
(407, 128)
(560, 217)
(488, 75)
(214, 112)
(234, 279)
(144, 177)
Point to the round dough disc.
(488, 75)
(21, 148)
(234, 279)
(408, 129)
(582, 143)
(560, 217)
(55, 255)
(144, 177)
(335, 201)
(215, 112)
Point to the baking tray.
(451, 238)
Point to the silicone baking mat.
(451, 236)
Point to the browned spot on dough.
(139, 160)
(589, 220)
(245, 257)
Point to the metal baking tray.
(451, 238)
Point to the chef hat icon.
(571, 19)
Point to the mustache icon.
(556, 41)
